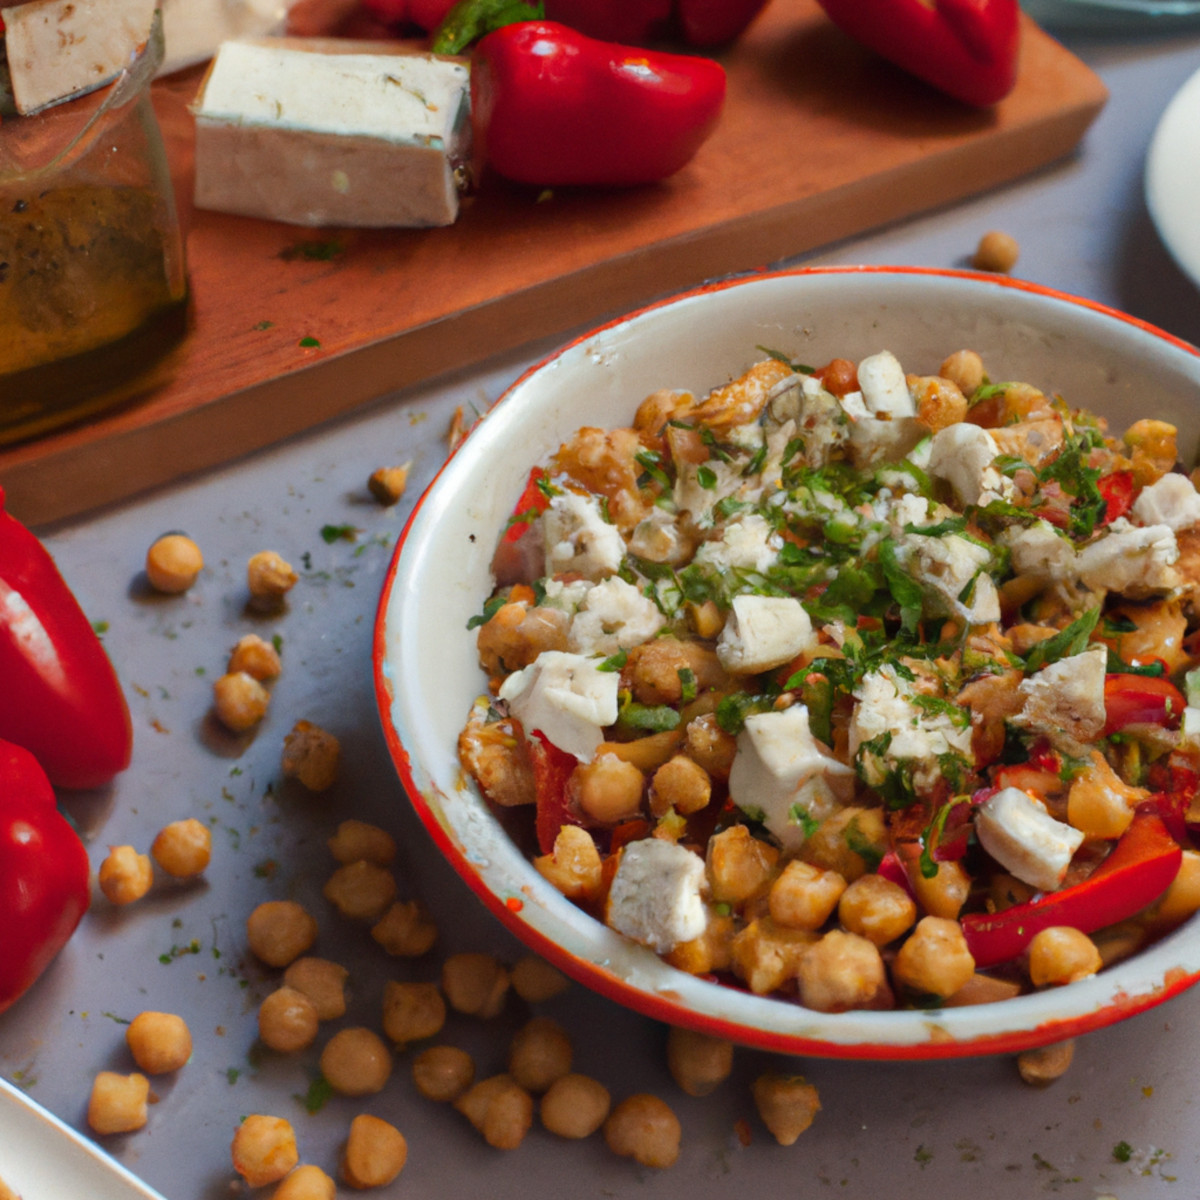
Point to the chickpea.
(240, 701)
(388, 484)
(575, 1106)
(944, 893)
(680, 784)
(765, 955)
(574, 865)
(535, 980)
(940, 402)
(172, 563)
(517, 633)
(306, 1183)
(965, 368)
(475, 984)
(183, 848)
(1041, 1067)
(877, 909)
(709, 746)
(375, 1153)
(1061, 955)
(786, 1104)
(739, 865)
(279, 931)
(356, 841)
(500, 1109)
(159, 1042)
(323, 982)
(269, 578)
(697, 1061)
(264, 1149)
(1182, 898)
(644, 1128)
(118, 1103)
(609, 789)
(804, 896)
(841, 972)
(125, 875)
(996, 252)
(311, 755)
(840, 376)
(287, 1021)
(443, 1073)
(412, 1011)
(256, 658)
(361, 890)
(406, 930)
(934, 960)
(540, 1053)
(355, 1062)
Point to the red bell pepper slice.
(1139, 869)
(1118, 490)
(1141, 700)
(59, 695)
(530, 506)
(966, 48)
(552, 107)
(552, 768)
(44, 881)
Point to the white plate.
(1173, 178)
(41, 1158)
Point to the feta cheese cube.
(1065, 700)
(1171, 501)
(566, 597)
(762, 632)
(659, 539)
(960, 455)
(946, 566)
(884, 387)
(1040, 551)
(656, 896)
(614, 616)
(566, 698)
(577, 538)
(747, 544)
(1129, 559)
(1020, 834)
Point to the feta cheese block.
(193, 29)
(1065, 700)
(1016, 829)
(763, 632)
(614, 616)
(656, 894)
(312, 132)
(1171, 501)
(60, 48)
(578, 540)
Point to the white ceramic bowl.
(427, 675)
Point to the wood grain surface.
(820, 140)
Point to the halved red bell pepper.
(1141, 700)
(44, 881)
(59, 695)
(966, 48)
(1139, 869)
(552, 107)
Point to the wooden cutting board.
(820, 140)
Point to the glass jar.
(92, 280)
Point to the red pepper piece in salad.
(44, 880)
(1140, 867)
(60, 697)
(1119, 491)
(965, 48)
(1141, 700)
(552, 768)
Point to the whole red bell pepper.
(715, 22)
(634, 22)
(551, 107)
(1140, 867)
(966, 48)
(1141, 700)
(44, 881)
(59, 695)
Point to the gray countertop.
(928, 1130)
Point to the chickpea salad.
(856, 687)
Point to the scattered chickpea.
(412, 1011)
(183, 848)
(159, 1042)
(388, 484)
(361, 891)
(311, 755)
(540, 1054)
(239, 701)
(306, 1183)
(535, 980)
(279, 931)
(256, 657)
(264, 1149)
(475, 984)
(698, 1062)
(375, 1153)
(1062, 954)
(406, 930)
(996, 252)
(934, 960)
(644, 1128)
(786, 1104)
(1041, 1067)
(270, 579)
(443, 1073)
(287, 1021)
(575, 1106)
(323, 982)
(355, 1062)
(355, 840)
(172, 563)
(118, 1103)
(500, 1109)
(125, 875)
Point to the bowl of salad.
(807, 660)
